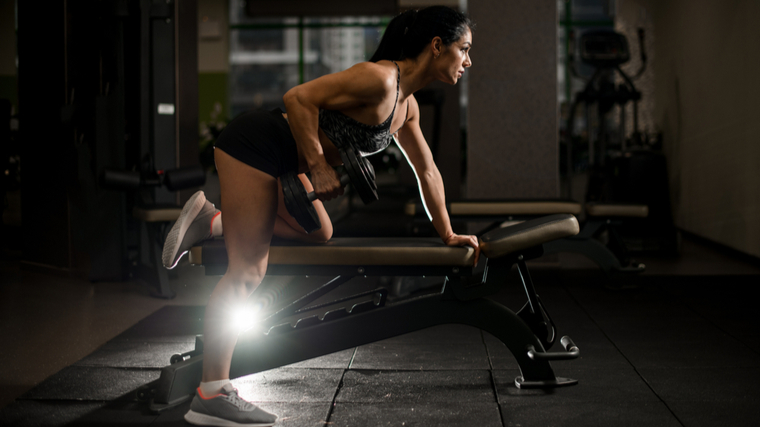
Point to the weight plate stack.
(298, 204)
(361, 173)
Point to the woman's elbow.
(290, 96)
(298, 99)
(430, 175)
(323, 235)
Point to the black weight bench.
(315, 330)
(612, 256)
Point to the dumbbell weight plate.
(298, 204)
(361, 173)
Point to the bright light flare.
(245, 317)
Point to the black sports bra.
(366, 139)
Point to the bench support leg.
(593, 250)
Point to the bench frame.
(319, 331)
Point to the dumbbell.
(362, 174)
(299, 202)
(359, 172)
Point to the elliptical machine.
(621, 169)
(606, 51)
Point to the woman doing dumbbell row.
(364, 106)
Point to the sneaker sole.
(209, 420)
(169, 256)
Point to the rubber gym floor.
(682, 348)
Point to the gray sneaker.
(192, 226)
(227, 409)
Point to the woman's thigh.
(249, 201)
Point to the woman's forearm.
(303, 119)
(434, 200)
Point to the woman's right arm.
(303, 118)
(362, 84)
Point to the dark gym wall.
(82, 79)
(706, 60)
(8, 51)
(213, 59)
(187, 87)
(47, 148)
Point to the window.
(268, 56)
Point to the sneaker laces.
(242, 404)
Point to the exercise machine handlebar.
(642, 54)
(173, 179)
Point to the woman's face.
(454, 58)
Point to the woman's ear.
(436, 46)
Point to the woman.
(363, 106)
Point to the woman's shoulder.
(382, 73)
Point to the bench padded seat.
(158, 213)
(617, 210)
(405, 251)
(504, 207)
(359, 251)
(507, 240)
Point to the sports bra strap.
(398, 85)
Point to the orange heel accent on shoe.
(200, 394)
(211, 227)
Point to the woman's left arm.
(417, 152)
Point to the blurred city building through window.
(268, 56)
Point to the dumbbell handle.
(344, 179)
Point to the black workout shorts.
(261, 139)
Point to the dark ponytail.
(408, 33)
